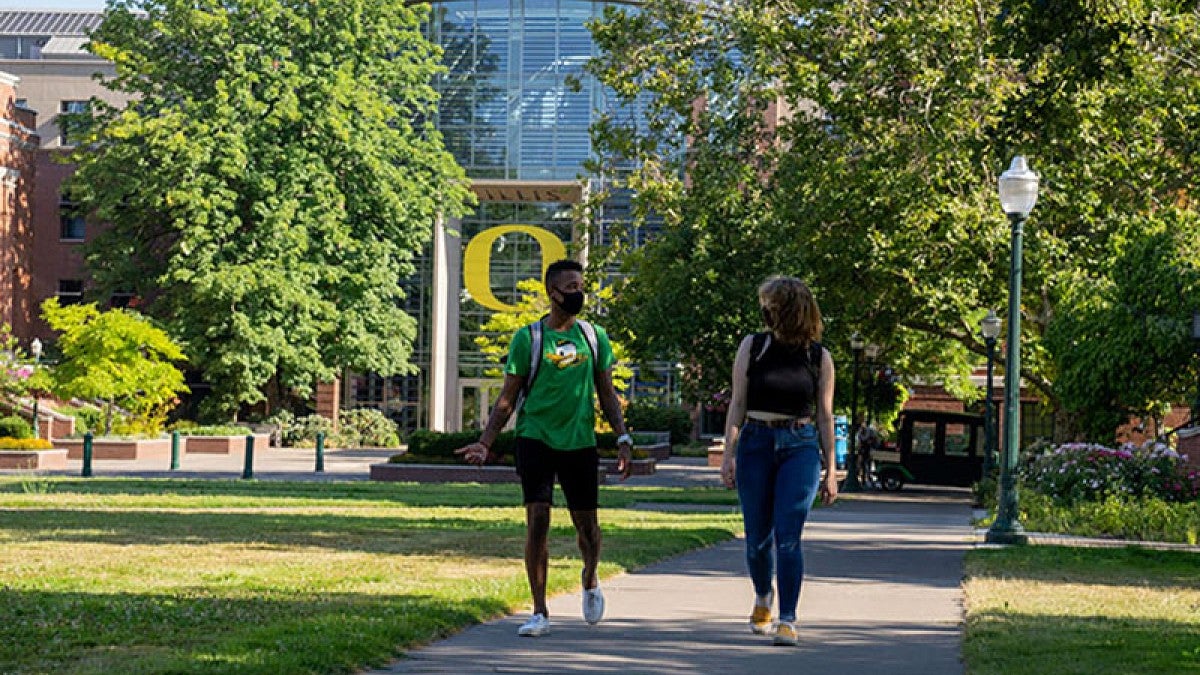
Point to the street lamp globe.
(990, 326)
(856, 342)
(35, 348)
(1018, 188)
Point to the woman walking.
(780, 419)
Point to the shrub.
(301, 432)
(87, 419)
(367, 427)
(650, 417)
(9, 443)
(1139, 518)
(1082, 472)
(15, 427)
(213, 430)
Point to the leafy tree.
(271, 184)
(1120, 330)
(118, 357)
(691, 290)
(881, 187)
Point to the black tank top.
(784, 378)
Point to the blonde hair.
(795, 316)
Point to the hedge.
(650, 417)
(438, 447)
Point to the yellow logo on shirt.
(566, 355)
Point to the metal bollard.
(320, 452)
(87, 455)
(248, 469)
(174, 450)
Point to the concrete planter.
(33, 459)
(716, 453)
(443, 473)
(112, 448)
(224, 445)
(641, 467)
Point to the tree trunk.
(1067, 428)
(108, 406)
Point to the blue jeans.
(778, 472)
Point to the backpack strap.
(816, 354)
(759, 344)
(589, 334)
(535, 361)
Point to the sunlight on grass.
(1071, 610)
(222, 576)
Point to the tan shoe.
(760, 620)
(785, 634)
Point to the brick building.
(18, 168)
(45, 50)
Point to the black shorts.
(577, 471)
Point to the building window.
(72, 225)
(1037, 423)
(21, 103)
(22, 46)
(70, 291)
(68, 125)
(121, 299)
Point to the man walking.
(554, 369)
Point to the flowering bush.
(9, 443)
(1083, 472)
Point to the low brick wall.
(153, 448)
(224, 445)
(33, 459)
(660, 452)
(443, 473)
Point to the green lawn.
(129, 576)
(1047, 609)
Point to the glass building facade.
(516, 106)
(508, 110)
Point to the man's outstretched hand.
(475, 453)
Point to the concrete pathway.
(882, 595)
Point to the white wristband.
(625, 438)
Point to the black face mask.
(571, 303)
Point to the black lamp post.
(851, 484)
(1196, 340)
(35, 348)
(1018, 194)
(872, 353)
(990, 329)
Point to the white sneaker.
(537, 626)
(593, 603)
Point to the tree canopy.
(271, 183)
(118, 357)
(889, 127)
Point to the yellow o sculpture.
(477, 261)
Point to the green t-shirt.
(559, 410)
